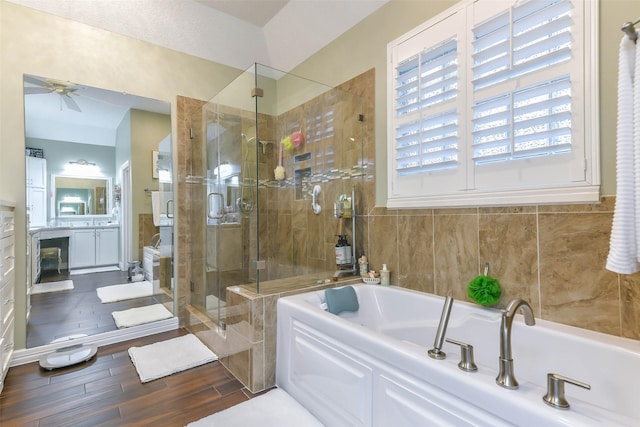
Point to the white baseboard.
(28, 355)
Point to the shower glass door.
(224, 201)
(264, 151)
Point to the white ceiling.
(256, 12)
(47, 116)
(237, 33)
(278, 33)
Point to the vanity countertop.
(67, 229)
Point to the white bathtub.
(371, 368)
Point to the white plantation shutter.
(425, 140)
(534, 121)
(488, 105)
(526, 123)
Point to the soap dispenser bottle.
(384, 276)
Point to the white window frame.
(413, 191)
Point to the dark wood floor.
(106, 391)
(78, 311)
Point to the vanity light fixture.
(82, 167)
(81, 162)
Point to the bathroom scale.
(68, 356)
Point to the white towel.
(625, 232)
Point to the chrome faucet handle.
(466, 356)
(555, 390)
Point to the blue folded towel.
(341, 299)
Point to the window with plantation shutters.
(489, 104)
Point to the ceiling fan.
(62, 88)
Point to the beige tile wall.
(552, 256)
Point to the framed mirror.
(79, 196)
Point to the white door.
(107, 246)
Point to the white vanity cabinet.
(151, 263)
(33, 265)
(36, 172)
(37, 204)
(83, 248)
(107, 246)
(7, 287)
(92, 247)
(37, 191)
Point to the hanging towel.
(625, 232)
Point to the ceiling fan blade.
(35, 81)
(59, 83)
(35, 90)
(71, 104)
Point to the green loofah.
(484, 290)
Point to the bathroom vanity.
(94, 247)
(83, 245)
(151, 264)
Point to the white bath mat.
(164, 358)
(273, 409)
(126, 291)
(141, 315)
(43, 288)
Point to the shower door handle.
(170, 202)
(220, 209)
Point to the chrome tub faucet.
(436, 352)
(506, 378)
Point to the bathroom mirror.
(90, 156)
(78, 196)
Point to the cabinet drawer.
(7, 222)
(7, 257)
(7, 303)
(6, 347)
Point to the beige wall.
(147, 130)
(38, 43)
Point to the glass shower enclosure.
(271, 155)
